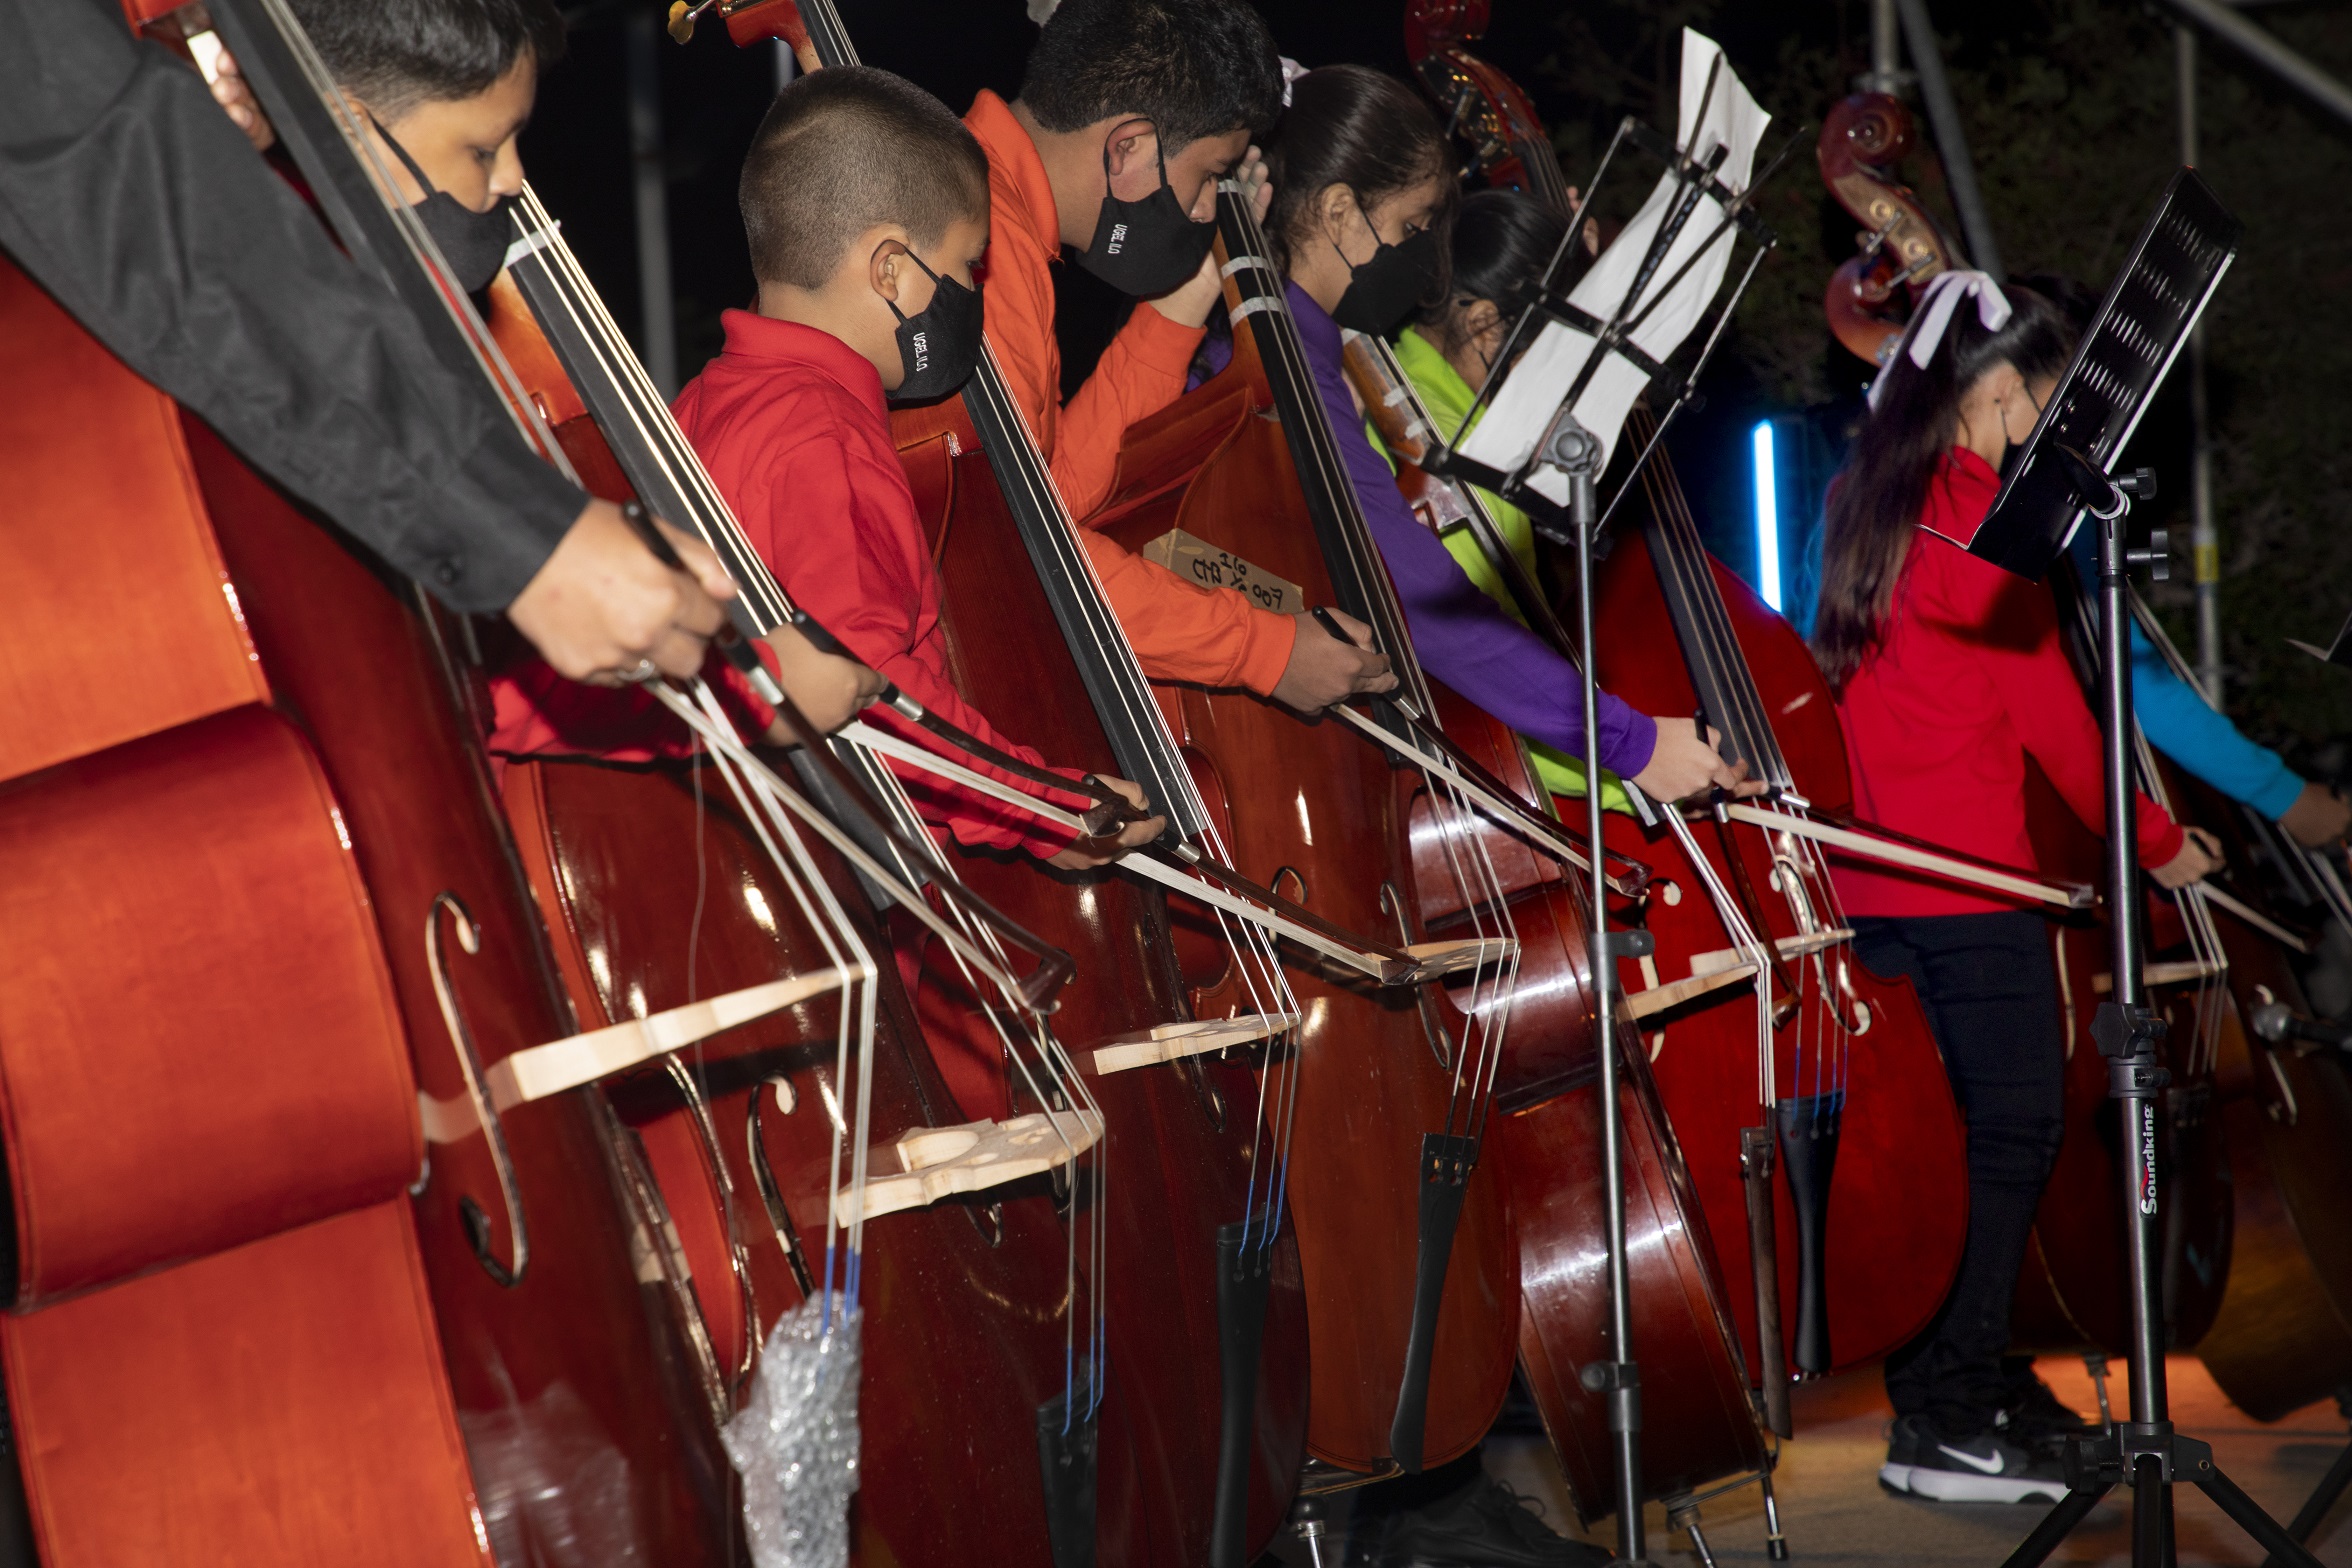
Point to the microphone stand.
(1576, 452)
(2145, 1452)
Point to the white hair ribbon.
(1291, 72)
(1925, 335)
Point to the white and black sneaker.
(1983, 1469)
(1902, 1453)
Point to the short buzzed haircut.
(396, 54)
(845, 149)
(1193, 68)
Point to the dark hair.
(396, 54)
(1503, 240)
(1193, 68)
(844, 149)
(2074, 300)
(1351, 125)
(1876, 501)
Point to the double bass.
(1832, 1035)
(2256, 1127)
(2283, 1336)
(1206, 1328)
(2070, 1287)
(1699, 1423)
(1411, 1326)
(245, 824)
(667, 900)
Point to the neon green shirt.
(1448, 397)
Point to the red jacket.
(792, 425)
(1969, 681)
(1180, 631)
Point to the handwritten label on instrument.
(1196, 560)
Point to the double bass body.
(1886, 1259)
(1313, 812)
(1180, 1147)
(257, 903)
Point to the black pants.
(1991, 994)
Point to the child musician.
(444, 88)
(1364, 199)
(1949, 674)
(1129, 113)
(865, 204)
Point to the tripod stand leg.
(2150, 1518)
(2323, 1498)
(2247, 1514)
(1775, 1544)
(2096, 1365)
(2072, 1510)
(1683, 1514)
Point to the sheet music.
(1531, 395)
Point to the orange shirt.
(1180, 631)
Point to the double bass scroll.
(1863, 141)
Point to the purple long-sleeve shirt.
(1462, 637)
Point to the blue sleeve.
(2179, 722)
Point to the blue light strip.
(1767, 518)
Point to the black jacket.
(128, 194)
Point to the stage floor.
(1834, 1512)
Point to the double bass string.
(841, 941)
(1818, 982)
(1063, 1076)
(1477, 1061)
(1025, 476)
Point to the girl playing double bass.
(1949, 675)
(1364, 204)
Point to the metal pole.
(657, 307)
(2128, 1037)
(2266, 51)
(787, 65)
(1943, 117)
(1886, 50)
(2204, 542)
(1619, 1377)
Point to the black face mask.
(473, 243)
(1146, 247)
(940, 344)
(1383, 290)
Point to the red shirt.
(1968, 682)
(1180, 631)
(535, 711)
(792, 425)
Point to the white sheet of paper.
(1531, 395)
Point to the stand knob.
(2157, 558)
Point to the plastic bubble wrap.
(796, 1442)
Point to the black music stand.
(1568, 449)
(2060, 476)
(1547, 300)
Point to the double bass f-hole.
(1793, 875)
(771, 1194)
(706, 1135)
(1441, 1044)
(506, 1271)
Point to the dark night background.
(2070, 106)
